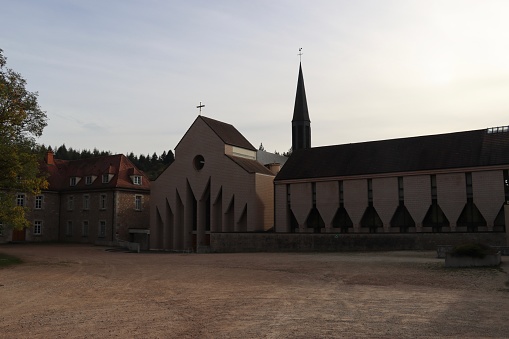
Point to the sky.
(126, 76)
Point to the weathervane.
(200, 106)
(300, 54)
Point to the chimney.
(49, 158)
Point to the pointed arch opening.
(168, 225)
(159, 230)
(435, 218)
(342, 220)
(499, 223)
(294, 224)
(471, 217)
(402, 219)
(371, 220)
(242, 223)
(315, 221)
(229, 217)
(217, 208)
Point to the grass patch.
(7, 260)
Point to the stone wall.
(295, 242)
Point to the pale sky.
(127, 75)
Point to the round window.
(199, 162)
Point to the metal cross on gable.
(200, 106)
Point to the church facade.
(456, 182)
(215, 184)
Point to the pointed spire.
(300, 110)
(301, 125)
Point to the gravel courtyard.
(82, 291)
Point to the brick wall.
(356, 200)
(282, 221)
(417, 196)
(489, 194)
(452, 196)
(221, 178)
(48, 215)
(385, 199)
(301, 202)
(327, 200)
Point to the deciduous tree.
(21, 122)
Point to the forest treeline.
(152, 165)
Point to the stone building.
(94, 200)
(455, 182)
(215, 184)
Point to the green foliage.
(21, 121)
(472, 250)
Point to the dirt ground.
(84, 291)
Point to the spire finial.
(300, 54)
(200, 106)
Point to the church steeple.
(301, 125)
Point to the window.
(102, 202)
(88, 180)
(433, 187)
(86, 202)
(137, 202)
(20, 200)
(198, 162)
(370, 192)
(38, 202)
(84, 229)
(401, 191)
(137, 180)
(37, 227)
(70, 203)
(102, 229)
(68, 229)
(72, 181)
(1, 229)
(106, 178)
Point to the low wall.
(298, 242)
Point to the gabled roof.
(477, 148)
(251, 166)
(118, 165)
(300, 110)
(228, 134)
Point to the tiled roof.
(444, 151)
(250, 166)
(61, 172)
(228, 134)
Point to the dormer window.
(89, 180)
(74, 181)
(106, 178)
(137, 179)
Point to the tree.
(21, 121)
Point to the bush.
(472, 250)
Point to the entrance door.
(18, 235)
